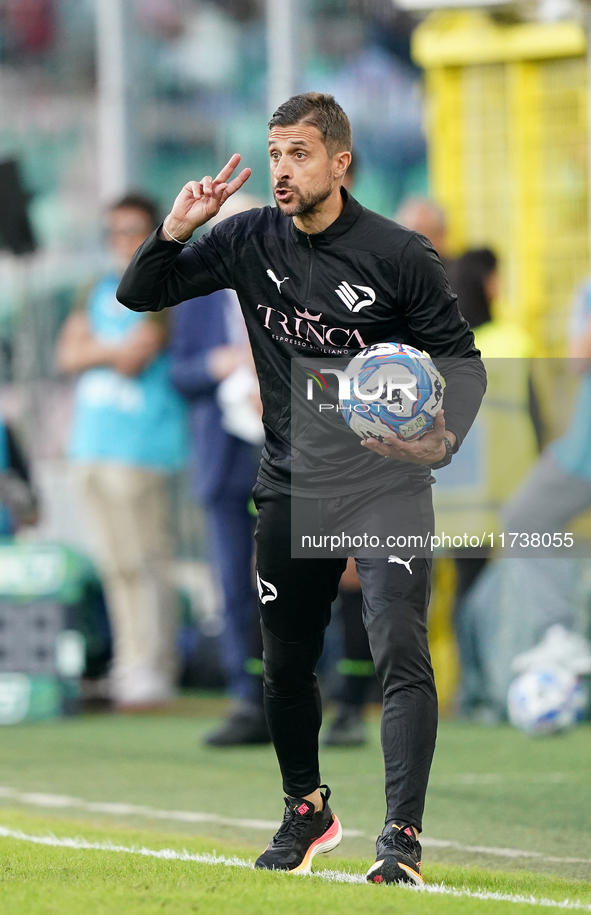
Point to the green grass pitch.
(506, 815)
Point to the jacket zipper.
(311, 252)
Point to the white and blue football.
(546, 700)
(395, 389)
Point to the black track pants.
(294, 598)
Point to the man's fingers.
(372, 444)
(219, 192)
(439, 424)
(228, 168)
(395, 448)
(218, 186)
(199, 201)
(194, 188)
(237, 183)
(437, 430)
(392, 442)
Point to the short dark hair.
(467, 277)
(135, 200)
(322, 112)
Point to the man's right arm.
(161, 274)
(163, 271)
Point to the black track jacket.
(364, 280)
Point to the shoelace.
(400, 839)
(292, 824)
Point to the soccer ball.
(394, 389)
(546, 700)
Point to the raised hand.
(199, 201)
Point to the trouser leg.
(294, 599)
(395, 614)
(396, 590)
(232, 546)
(130, 510)
(356, 665)
(547, 500)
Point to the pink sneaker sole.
(331, 838)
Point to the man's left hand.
(430, 449)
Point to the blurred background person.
(501, 448)
(127, 436)
(427, 218)
(210, 360)
(474, 279)
(542, 602)
(18, 499)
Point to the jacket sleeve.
(438, 328)
(161, 273)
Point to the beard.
(305, 204)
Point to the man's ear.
(342, 161)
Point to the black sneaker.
(398, 857)
(302, 835)
(247, 725)
(347, 728)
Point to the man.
(127, 437)
(286, 272)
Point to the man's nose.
(280, 168)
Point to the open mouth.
(282, 193)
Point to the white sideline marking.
(426, 842)
(499, 778)
(169, 854)
(37, 799)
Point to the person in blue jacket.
(208, 347)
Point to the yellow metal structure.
(442, 643)
(507, 130)
(508, 149)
